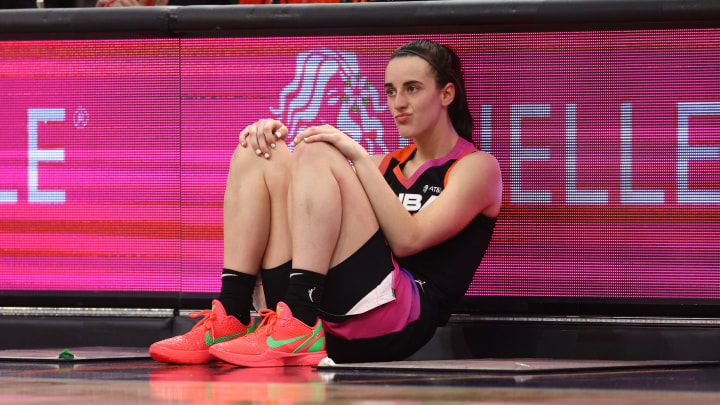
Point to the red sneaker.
(193, 347)
(280, 340)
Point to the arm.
(377, 159)
(474, 186)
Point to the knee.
(317, 154)
(244, 159)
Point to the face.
(415, 101)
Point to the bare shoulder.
(478, 174)
(478, 165)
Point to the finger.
(314, 138)
(268, 128)
(321, 137)
(262, 143)
(243, 135)
(252, 139)
(304, 134)
(281, 132)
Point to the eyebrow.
(407, 83)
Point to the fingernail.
(278, 134)
(258, 152)
(267, 156)
(272, 145)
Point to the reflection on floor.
(145, 381)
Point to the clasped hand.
(263, 135)
(329, 134)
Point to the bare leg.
(255, 218)
(256, 232)
(331, 218)
(331, 214)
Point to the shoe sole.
(269, 358)
(172, 356)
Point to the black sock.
(236, 294)
(275, 283)
(304, 293)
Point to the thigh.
(358, 221)
(277, 179)
(255, 222)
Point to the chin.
(408, 138)
(407, 134)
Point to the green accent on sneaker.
(317, 346)
(277, 343)
(210, 341)
(315, 332)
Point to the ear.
(447, 94)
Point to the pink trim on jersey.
(447, 173)
(387, 318)
(385, 162)
(457, 151)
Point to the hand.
(327, 133)
(263, 136)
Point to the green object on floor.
(66, 355)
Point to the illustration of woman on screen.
(328, 87)
(359, 264)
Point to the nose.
(399, 101)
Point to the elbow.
(400, 251)
(411, 240)
(407, 247)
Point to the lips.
(401, 118)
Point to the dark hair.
(445, 64)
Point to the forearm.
(400, 228)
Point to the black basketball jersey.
(450, 265)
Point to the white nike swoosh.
(295, 274)
(229, 274)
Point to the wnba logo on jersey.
(329, 89)
(414, 202)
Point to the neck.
(436, 143)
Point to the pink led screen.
(114, 154)
(89, 165)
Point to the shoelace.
(210, 317)
(269, 319)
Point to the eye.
(390, 92)
(412, 89)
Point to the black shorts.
(392, 346)
(351, 280)
(357, 278)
